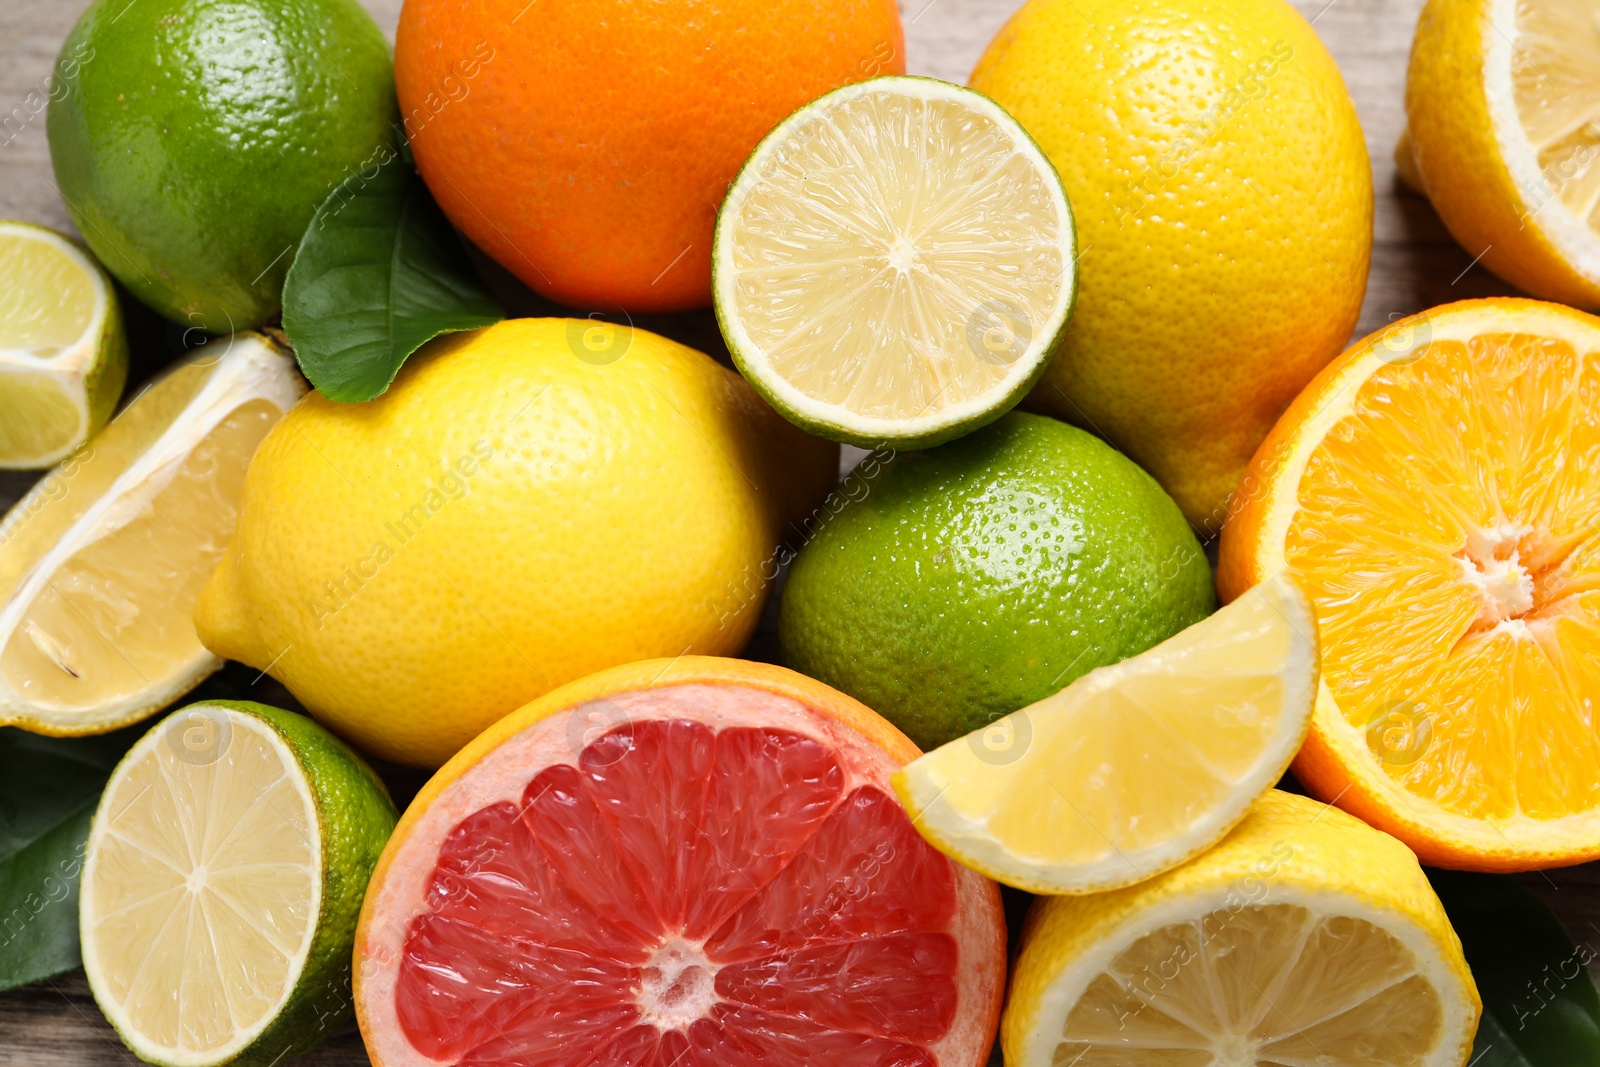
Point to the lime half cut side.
(63, 354)
(222, 882)
(895, 264)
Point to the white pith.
(679, 985)
(1492, 565)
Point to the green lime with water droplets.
(193, 140)
(954, 585)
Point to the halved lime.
(102, 562)
(222, 881)
(63, 355)
(895, 264)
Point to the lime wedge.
(895, 264)
(102, 562)
(1133, 768)
(63, 356)
(222, 882)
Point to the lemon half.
(1305, 939)
(1503, 110)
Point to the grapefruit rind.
(497, 766)
(1336, 761)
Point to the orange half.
(1436, 492)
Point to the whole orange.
(586, 144)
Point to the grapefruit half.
(687, 862)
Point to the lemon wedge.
(1133, 768)
(101, 563)
(63, 355)
(1305, 939)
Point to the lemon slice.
(1135, 767)
(63, 356)
(222, 883)
(895, 263)
(1503, 106)
(102, 562)
(1305, 939)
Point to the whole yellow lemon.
(527, 504)
(1223, 198)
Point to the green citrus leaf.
(378, 274)
(1540, 1007)
(48, 790)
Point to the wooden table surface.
(1415, 265)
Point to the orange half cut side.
(1436, 492)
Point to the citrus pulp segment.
(222, 880)
(63, 356)
(101, 563)
(1304, 938)
(1133, 768)
(1433, 493)
(895, 263)
(1502, 100)
(695, 861)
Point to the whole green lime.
(952, 586)
(193, 140)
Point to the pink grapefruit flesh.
(686, 876)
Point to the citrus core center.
(1507, 565)
(679, 985)
(1235, 1050)
(902, 254)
